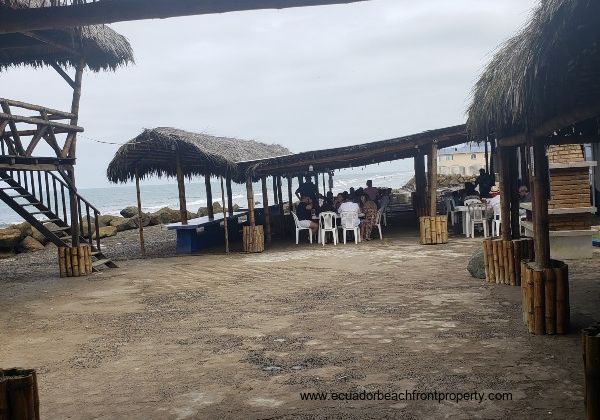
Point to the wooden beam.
(13, 128)
(504, 172)
(513, 166)
(52, 42)
(250, 198)
(35, 140)
(541, 185)
(63, 74)
(275, 196)
(420, 183)
(109, 11)
(69, 148)
(280, 202)
(37, 121)
(229, 195)
(37, 108)
(225, 221)
(140, 216)
(209, 197)
(266, 210)
(31, 167)
(433, 172)
(181, 190)
(74, 207)
(290, 195)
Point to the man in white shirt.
(349, 205)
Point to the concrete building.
(464, 159)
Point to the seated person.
(349, 205)
(339, 199)
(328, 203)
(494, 201)
(304, 213)
(371, 191)
(469, 192)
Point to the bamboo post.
(209, 197)
(181, 188)
(324, 188)
(140, 217)
(540, 205)
(75, 261)
(266, 210)
(591, 367)
(486, 155)
(19, 397)
(420, 183)
(229, 195)
(561, 275)
(530, 302)
(250, 197)
(225, 221)
(290, 195)
(330, 181)
(61, 261)
(433, 180)
(504, 172)
(275, 196)
(550, 300)
(515, 224)
(523, 163)
(539, 313)
(280, 202)
(486, 261)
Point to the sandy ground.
(241, 336)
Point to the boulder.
(154, 219)
(236, 207)
(128, 212)
(116, 221)
(25, 228)
(106, 219)
(51, 246)
(217, 207)
(202, 211)
(106, 231)
(37, 235)
(124, 224)
(167, 215)
(9, 238)
(29, 244)
(84, 226)
(476, 265)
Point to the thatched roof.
(551, 68)
(154, 153)
(102, 48)
(356, 155)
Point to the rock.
(9, 238)
(236, 207)
(476, 266)
(128, 212)
(7, 254)
(25, 228)
(124, 224)
(51, 246)
(154, 219)
(30, 245)
(217, 208)
(37, 235)
(116, 221)
(202, 211)
(106, 219)
(84, 225)
(167, 215)
(106, 231)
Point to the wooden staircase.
(42, 198)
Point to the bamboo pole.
(420, 183)
(515, 224)
(181, 188)
(504, 172)
(486, 155)
(266, 209)
(561, 275)
(250, 197)
(540, 206)
(209, 197)
(539, 312)
(225, 221)
(433, 180)
(275, 195)
(229, 195)
(280, 201)
(550, 300)
(290, 195)
(140, 218)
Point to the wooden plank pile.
(75, 261)
(433, 230)
(502, 259)
(545, 298)
(19, 395)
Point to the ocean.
(111, 200)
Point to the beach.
(242, 335)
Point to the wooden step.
(60, 229)
(29, 204)
(9, 188)
(101, 262)
(41, 212)
(21, 196)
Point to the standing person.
(485, 182)
(371, 191)
(304, 213)
(369, 208)
(307, 189)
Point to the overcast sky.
(307, 78)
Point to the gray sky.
(306, 78)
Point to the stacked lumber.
(591, 366)
(545, 297)
(433, 230)
(254, 239)
(569, 188)
(502, 259)
(75, 261)
(19, 395)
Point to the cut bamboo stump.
(502, 259)
(254, 239)
(545, 298)
(19, 395)
(434, 230)
(591, 366)
(75, 261)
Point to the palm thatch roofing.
(356, 155)
(101, 47)
(155, 151)
(547, 76)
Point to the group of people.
(366, 201)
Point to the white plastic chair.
(299, 228)
(477, 217)
(472, 201)
(349, 221)
(378, 222)
(450, 210)
(496, 221)
(328, 223)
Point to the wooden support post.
(266, 210)
(290, 195)
(250, 197)
(515, 219)
(523, 163)
(590, 344)
(324, 188)
(229, 195)
(139, 206)
(69, 148)
(420, 183)
(504, 171)
(225, 221)
(317, 183)
(540, 205)
(280, 201)
(330, 181)
(275, 196)
(181, 188)
(19, 397)
(433, 180)
(486, 156)
(492, 156)
(209, 197)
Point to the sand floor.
(241, 336)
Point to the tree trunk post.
(266, 210)
(433, 180)
(504, 172)
(420, 183)
(515, 218)
(181, 189)
(140, 217)
(540, 205)
(250, 197)
(225, 221)
(209, 197)
(229, 195)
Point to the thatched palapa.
(101, 47)
(550, 71)
(154, 153)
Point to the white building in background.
(464, 159)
